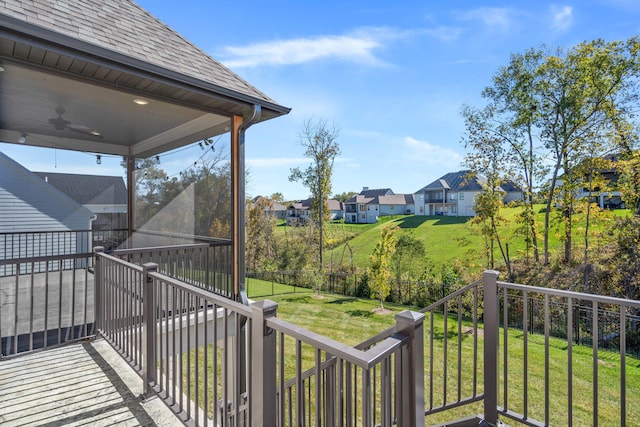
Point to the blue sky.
(391, 76)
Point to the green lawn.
(453, 239)
(352, 320)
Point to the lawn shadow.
(412, 221)
(301, 298)
(447, 220)
(360, 313)
(342, 300)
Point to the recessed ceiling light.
(141, 101)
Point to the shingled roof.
(73, 73)
(456, 181)
(88, 189)
(124, 27)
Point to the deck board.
(79, 384)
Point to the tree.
(488, 157)
(277, 197)
(509, 117)
(261, 228)
(344, 196)
(380, 272)
(565, 99)
(321, 146)
(406, 251)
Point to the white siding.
(465, 203)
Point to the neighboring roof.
(510, 187)
(334, 205)
(360, 199)
(124, 27)
(395, 199)
(33, 203)
(456, 181)
(88, 189)
(376, 192)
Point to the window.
(361, 207)
(461, 196)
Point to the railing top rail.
(158, 248)
(571, 294)
(364, 359)
(205, 239)
(219, 300)
(451, 296)
(119, 261)
(34, 259)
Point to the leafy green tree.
(261, 228)
(344, 196)
(487, 156)
(407, 250)
(510, 117)
(380, 271)
(321, 146)
(566, 100)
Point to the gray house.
(453, 194)
(105, 196)
(28, 203)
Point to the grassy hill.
(450, 240)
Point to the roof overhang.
(61, 92)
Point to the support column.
(131, 189)
(238, 202)
(410, 370)
(491, 339)
(263, 366)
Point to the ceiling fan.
(59, 123)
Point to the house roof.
(456, 181)
(40, 201)
(376, 192)
(333, 204)
(72, 69)
(88, 189)
(123, 27)
(510, 187)
(395, 199)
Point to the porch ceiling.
(61, 91)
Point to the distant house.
(453, 194)
(366, 207)
(277, 210)
(512, 192)
(609, 198)
(28, 203)
(298, 213)
(105, 196)
(31, 207)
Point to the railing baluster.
(623, 367)
(546, 359)
(570, 362)
(595, 344)
(505, 347)
(525, 352)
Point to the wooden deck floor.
(84, 384)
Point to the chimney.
(365, 188)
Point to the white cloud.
(562, 17)
(431, 154)
(359, 47)
(444, 34)
(490, 16)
